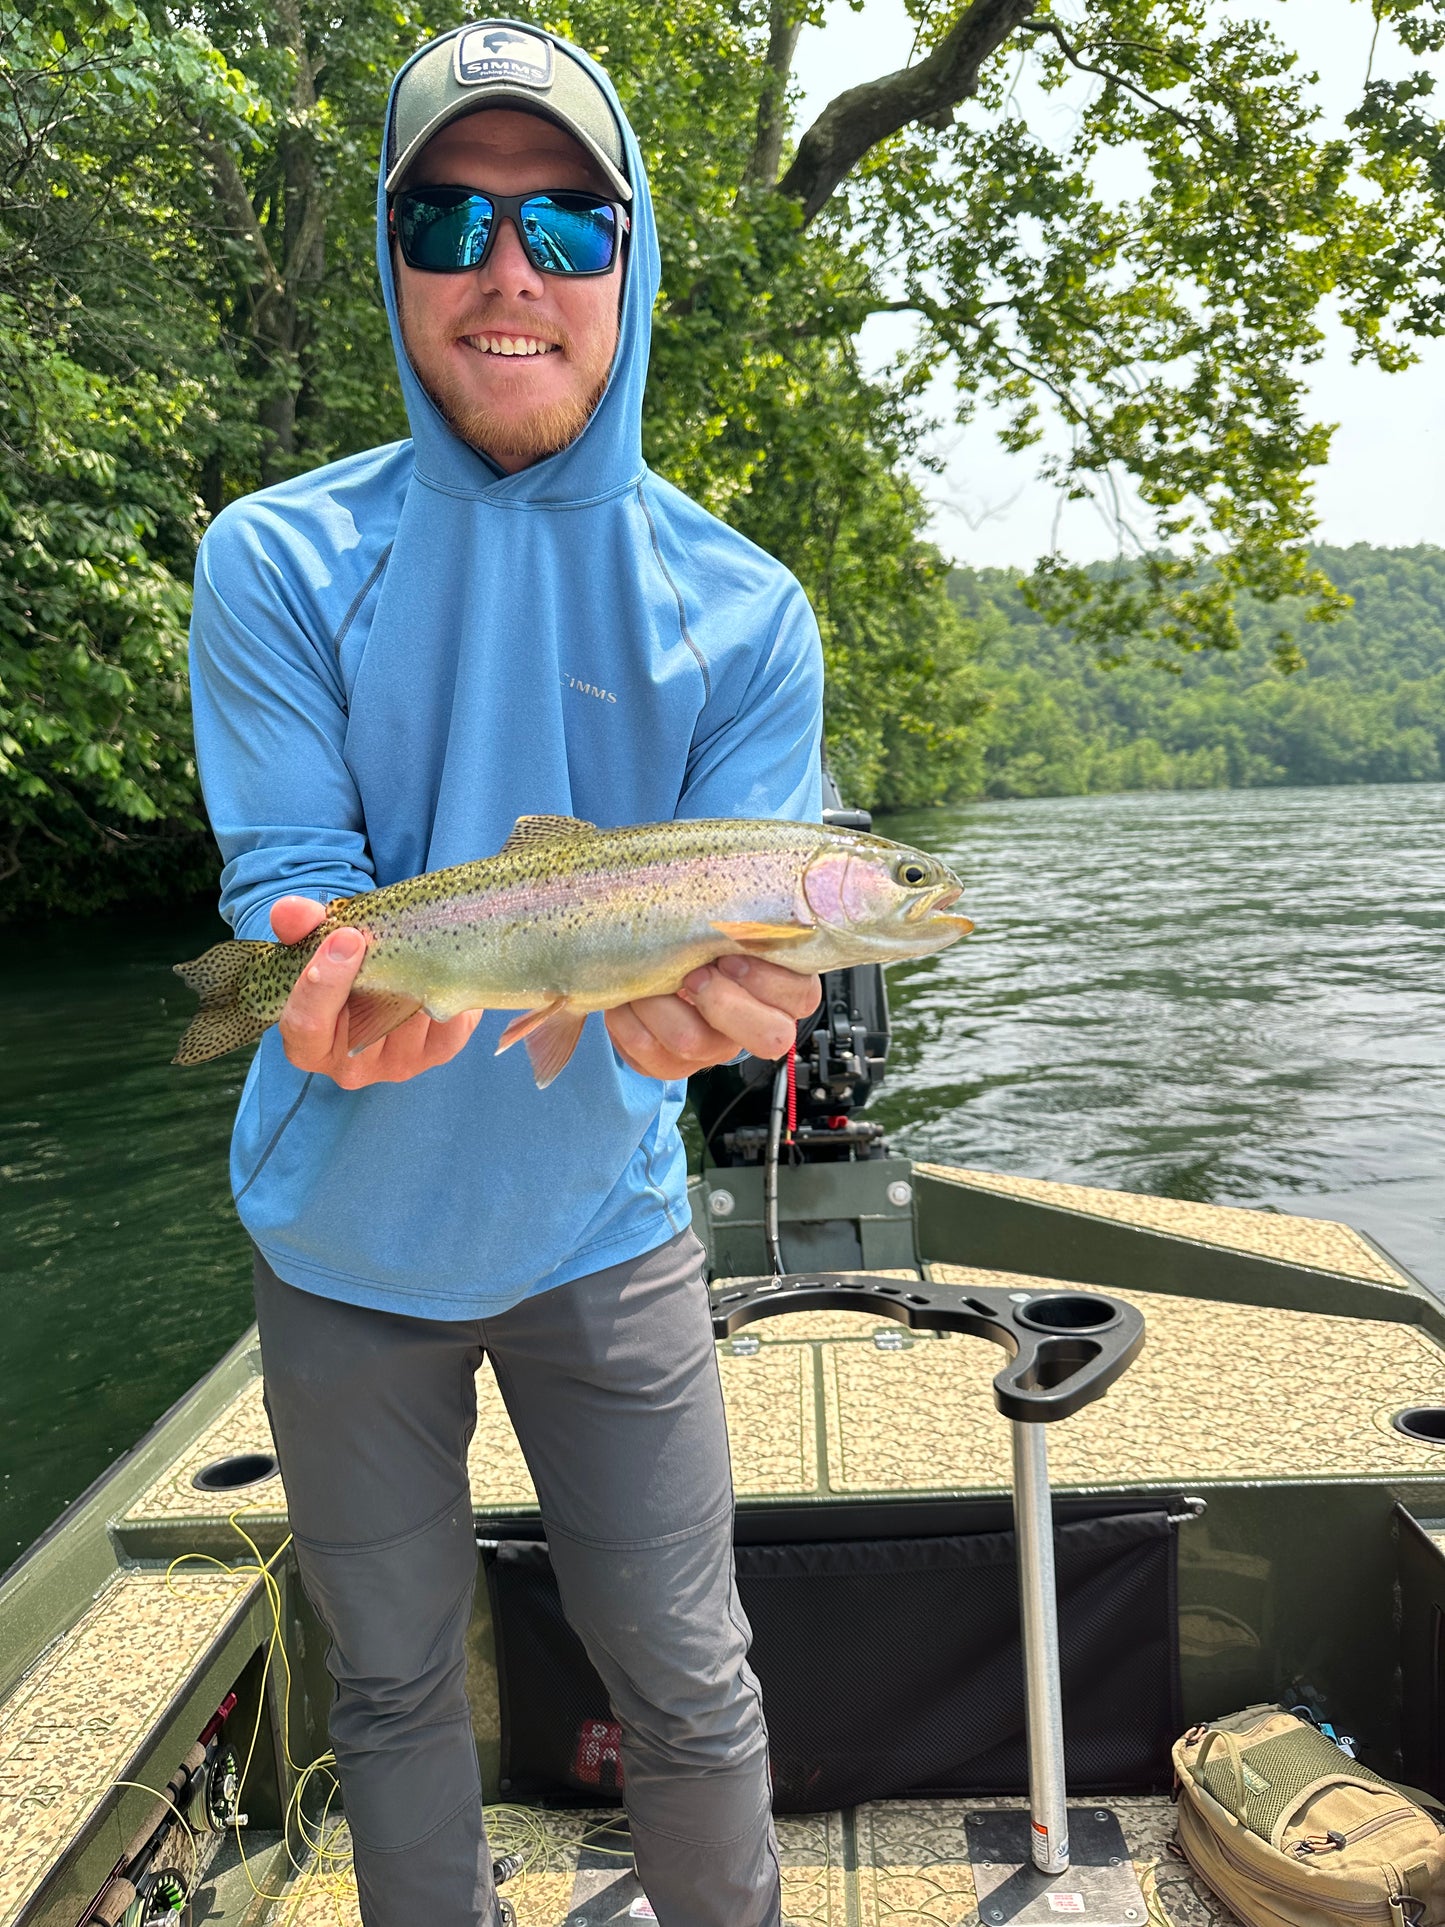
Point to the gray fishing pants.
(613, 1389)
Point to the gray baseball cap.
(495, 63)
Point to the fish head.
(892, 898)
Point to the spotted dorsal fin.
(529, 830)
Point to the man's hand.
(314, 1023)
(738, 1003)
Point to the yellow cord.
(510, 1829)
(327, 1865)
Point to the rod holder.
(1039, 1613)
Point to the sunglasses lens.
(570, 233)
(443, 229)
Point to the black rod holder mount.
(1066, 1347)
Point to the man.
(393, 658)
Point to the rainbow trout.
(568, 919)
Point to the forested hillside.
(1368, 706)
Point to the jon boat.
(942, 1421)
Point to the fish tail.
(223, 1022)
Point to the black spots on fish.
(217, 975)
(223, 1023)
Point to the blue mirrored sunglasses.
(450, 230)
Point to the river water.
(1233, 997)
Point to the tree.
(187, 296)
(1169, 328)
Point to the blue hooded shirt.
(394, 657)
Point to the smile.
(509, 345)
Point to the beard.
(507, 436)
(530, 438)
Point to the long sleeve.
(270, 725)
(762, 758)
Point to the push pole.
(1038, 1603)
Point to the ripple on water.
(1231, 996)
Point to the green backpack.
(1289, 1831)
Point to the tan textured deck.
(891, 1413)
(772, 1430)
(241, 1427)
(923, 1419)
(553, 1888)
(79, 1716)
(912, 1871)
(1318, 1243)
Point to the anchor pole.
(1038, 1602)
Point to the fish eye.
(911, 871)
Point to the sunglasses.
(450, 230)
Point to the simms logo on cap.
(503, 53)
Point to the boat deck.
(899, 1864)
(846, 1405)
(1230, 1395)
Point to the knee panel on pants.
(662, 1625)
(397, 1617)
(397, 1611)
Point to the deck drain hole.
(1425, 1423)
(230, 1474)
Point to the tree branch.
(1075, 59)
(858, 119)
(236, 201)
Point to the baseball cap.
(496, 62)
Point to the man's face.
(463, 331)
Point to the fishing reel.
(162, 1896)
(153, 1883)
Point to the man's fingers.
(441, 1042)
(312, 1026)
(683, 1030)
(772, 983)
(296, 917)
(735, 1013)
(417, 1045)
(639, 1046)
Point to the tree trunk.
(786, 24)
(863, 116)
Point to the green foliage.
(1367, 707)
(93, 705)
(154, 363)
(758, 406)
(188, 311)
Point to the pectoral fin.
(759, 933)
(371, 1014)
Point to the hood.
(607, 455)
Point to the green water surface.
(1225, 996)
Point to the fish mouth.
(935, 903)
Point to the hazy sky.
(1385, 481)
